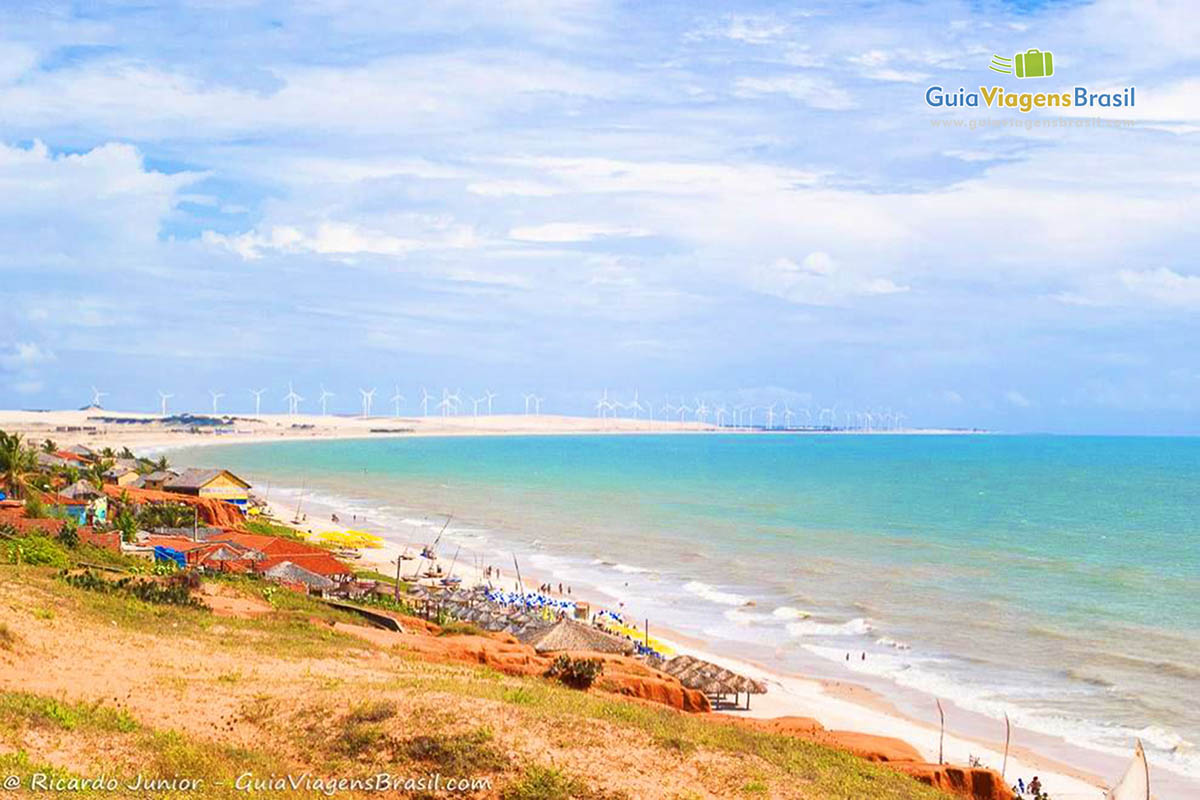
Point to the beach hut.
(211, 484)
(567, 634)
(715, 681)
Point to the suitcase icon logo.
(1033, 63)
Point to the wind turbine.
(97, 396)
(771, 416)
(701, 410)
(537, 406)
(397, 398)
(425, 398)
(490, 397)
(528, 398)
(367, 397)
(449, 402)
(603, 405)
(325, 395)
(215, 397)
(475, 401)
(636, 406)
(163, 398)
(258, 393)
(721, 416)
(787, 416)
(293, 399)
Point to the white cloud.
(808, 89)
(1015, 398)
(563, 232)
(507, 188)
(343, 239)
(98, 206)
(1149, 288)
(25, 355)
(819, 280)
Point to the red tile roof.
(318, 563)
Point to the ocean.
(1056, 579)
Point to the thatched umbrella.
(710, 678)
(567, 634)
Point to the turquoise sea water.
(1053, 578)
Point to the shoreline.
(845, 704)
(838, 704)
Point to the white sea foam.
(855, 627)
(884, 641)
(714, 595)
(933, 677)
(629, 569)
(787, 612)
(743, 617)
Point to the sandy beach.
(840, 705)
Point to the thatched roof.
(567, 634)
(709, 678)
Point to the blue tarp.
(162, 553)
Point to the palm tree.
(162, 465)
(49, 446)
(16, 462)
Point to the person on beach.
(1020, 786)
(1035, 786)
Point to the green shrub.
(68, 536)
(578, 673)
(547, 783)
(38, 551)
(375, 711)
(460, 755)
(35, 508)
(174, 593)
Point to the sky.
(731, 202)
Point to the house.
(120, 476)
(157, 480)
(47, 461)
(84, 452)
(81, 490)
(211, 484)
(75, 509)
(96, 502)
(294, 575)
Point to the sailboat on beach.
(429, 551)
(1135, 783)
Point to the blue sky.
(741, 202)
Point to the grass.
(154, 754)
(455, 628)
(462, 755)
(548, 783)
(22, 709)
(373, 711)
(8, 639)
(416, 720)
(827, 772)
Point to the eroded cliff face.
(631, 678)
(969, 782)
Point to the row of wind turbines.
(772, 416)
(768, 416)
(450, 404)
